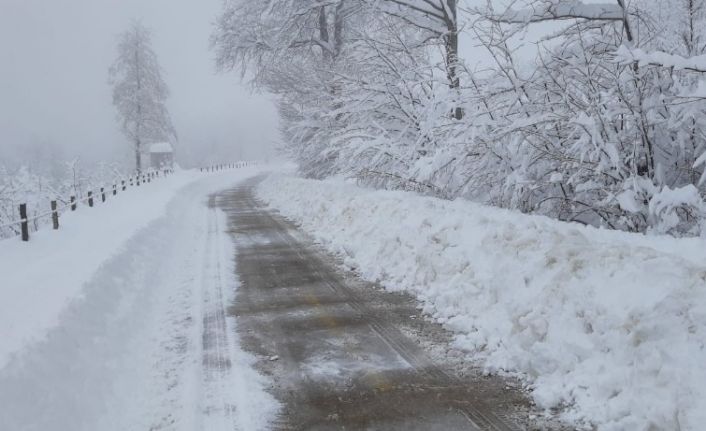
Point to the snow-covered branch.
(560, 10)
(625, 55)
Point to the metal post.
(24, 223)
(54, 216)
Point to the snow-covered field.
(609, 325)
(102, 322)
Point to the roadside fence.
(58, 206)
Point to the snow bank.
(610, 325)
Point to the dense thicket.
(605, 126)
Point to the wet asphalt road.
(343, 354)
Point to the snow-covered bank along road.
(141, 342)
(608, 324)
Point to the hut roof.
(161, 147)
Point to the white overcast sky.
(54, 92)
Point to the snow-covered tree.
(139, 91)
(439, 20)
(605, 126)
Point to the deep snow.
(105, 329)
(609, 325)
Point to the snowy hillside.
(609, 325)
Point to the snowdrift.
(609, 325)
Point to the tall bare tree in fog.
(139, 92)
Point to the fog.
(55, 100)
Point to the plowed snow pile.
(608, 324)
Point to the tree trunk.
(338, 28)
(323, 31)
(138, 156)
(626, 23)
(451, 44)
(138, 128)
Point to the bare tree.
(139, 91)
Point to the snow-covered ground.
(610, 325)
(107, 323)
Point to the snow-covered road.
(145, 344)
(343, 354)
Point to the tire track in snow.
(229, 401)
(218, 410)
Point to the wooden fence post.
(54, 216)
(24, 223)
(90, 199)
(73, 203)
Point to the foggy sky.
(55, 100)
